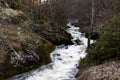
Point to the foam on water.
(65, 60)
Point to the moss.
(11, 71)
(45, 48)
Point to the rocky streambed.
(65, 60)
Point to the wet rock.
(56, 36)
(54, 55)
(78, 42)
(66, 47)
(59, 59)
(58, 54)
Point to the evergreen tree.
(108, 45)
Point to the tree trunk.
(92, 22)
(88, 45)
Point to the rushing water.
(65, 60)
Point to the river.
(65, 60)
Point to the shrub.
(108, 45)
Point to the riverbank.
(103, 58)
(22, 48)
(106, 71)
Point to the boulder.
(55, 34)
(21, 49)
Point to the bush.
(108, 45)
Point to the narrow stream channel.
(65, 60)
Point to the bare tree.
(92, 22)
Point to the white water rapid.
(65, 60)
